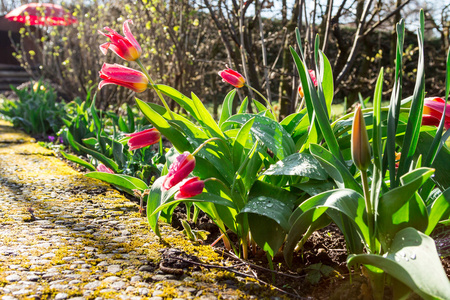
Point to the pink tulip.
(104, 169)
(143, 138)
(126, 47)
(190, 188)
(432, 112)
(232, 77)
(126, 77)
(312, 73)
(183, 165)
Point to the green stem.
(206, 142)
(267, 101)
(369, 210)
(152, 83)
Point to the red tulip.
(232, 77)
(183, 165)
(312, 73)
(126, 47)
(143, 138)
(190, 188)
(120, 75)
(432, 112)
(104, 169)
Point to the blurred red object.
(46, 14)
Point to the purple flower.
(51, 138)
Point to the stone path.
(66, 236)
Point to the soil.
(325, 250)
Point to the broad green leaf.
(205, 118)
(120, 181)
(122, 125)
(268, 221)
(402, 207)
(154, 200)
(439, 210)
(227, 107)
(335, 168)
(243, 107)
(269, 132)
(298, 164)
(314, 187)
(413, 260)
(105, 160)
(240, 142)
(179, 98)
(327, 82)
(78, 161)
(174, 136)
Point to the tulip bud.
(232, 77)
(432, 112)
(190, 188)
(312, 73)
(126, 77)
(104, 169)
(183, 165)
(360, 142)
(143, 138)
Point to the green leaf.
(174, 136)
(439, 210)
(298, 164)
(78, 161)
(340, 174)
(205, 118)
(105, 160)
(402, 207)
(269, 132)
(227, 107)
(415, 116)
(413, 260)
(268, 222)
(121, 181)
(179, 98)
(377, 144)
(240, 142)
(313, 187)
(243, 107)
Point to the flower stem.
(206, 142)
(152, 83)
(369, 210)
(267, 101)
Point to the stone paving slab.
(66, 236)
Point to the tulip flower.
(120, 75)
(126, 47)
(360, 142)
(104, 169)
(182, 166)
(192, 187)
(143, 138)
(232, 77)
(433, 110)
(312, 73)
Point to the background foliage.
(187, 41)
